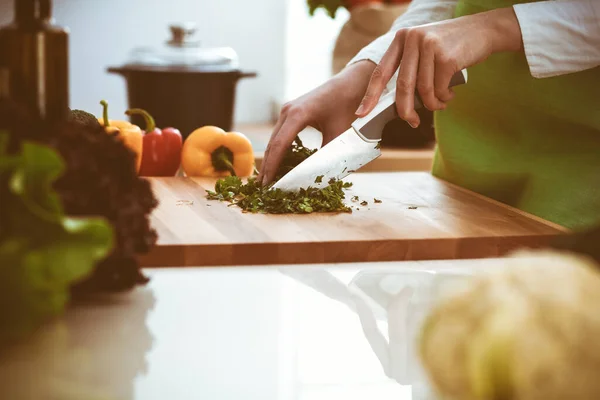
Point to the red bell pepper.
(161, 155)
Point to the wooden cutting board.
(420, 218)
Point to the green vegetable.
(42, 252)
(331, 6)
(294, 156)
(364, 203)
(377, 201)
(526, 331)
(251, 197)
(84, 118)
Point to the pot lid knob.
(182, 33)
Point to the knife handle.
(371, 126)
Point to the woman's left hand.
(431, 54)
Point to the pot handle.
(243, 75)
(115, 70)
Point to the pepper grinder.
(34, 61)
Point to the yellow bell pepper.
(210, 151)
(131, 135)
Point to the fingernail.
(360, 109)
(413, 125)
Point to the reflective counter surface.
(300, 332)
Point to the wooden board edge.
(506, 206)
(331, 253)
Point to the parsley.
(364, 203)
(294, 156)
(253, 198)
(377, 201)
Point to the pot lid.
(183, 51)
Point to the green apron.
(531, 143)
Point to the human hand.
(328, 108)
(431, 54)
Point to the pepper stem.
(104, 105)
(150, 123)
(222, 160)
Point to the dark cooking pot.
(183, 85)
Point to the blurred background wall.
(276, 38)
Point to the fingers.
(275, 132)
(407, 79)
(444, 70)
(426, 77)
(382, 75)
(293, 124)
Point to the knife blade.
(353, 149)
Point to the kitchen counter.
(420, 218)
(235, 333)
(391, 159)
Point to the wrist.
(505, 32)
(355, 78)
(360, 70)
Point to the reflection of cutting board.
(420, 218)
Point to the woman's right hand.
(330, 108)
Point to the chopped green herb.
(354, 198)
(364, 203)
(319, 179)
(412, 208)
(253, 198)
(377, 201)
(378, 146)
(294, 156)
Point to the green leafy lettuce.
(42, 251)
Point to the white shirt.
(559, 37)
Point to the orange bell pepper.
(210, 151)
(131, 135)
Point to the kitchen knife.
(353, 149)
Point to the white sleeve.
(560, 37)
(418, 13)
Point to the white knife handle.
(371, 126)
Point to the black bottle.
(34, 61)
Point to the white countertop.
(222, 333)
